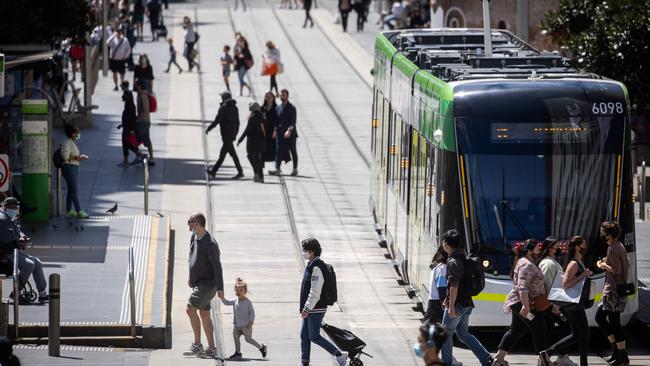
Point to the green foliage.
(610, 38)
(42, 21)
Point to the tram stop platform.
(93, 262)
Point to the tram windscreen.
(534, 178)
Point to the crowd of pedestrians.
(533, 302)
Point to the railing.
(16, 293)
(146, 186)
(132, 291)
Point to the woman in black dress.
(270, 122)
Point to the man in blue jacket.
(313, 304)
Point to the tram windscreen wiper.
(507, 209)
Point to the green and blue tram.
(504, 147)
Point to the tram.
(505, 147)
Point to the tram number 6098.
(607, 108)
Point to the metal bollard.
(54, 320)
(132, 291)
(642, 193)
(146, 186)
(16, 294)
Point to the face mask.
(78, 136)
(417, 348)
(305, 255)
(143, 62)
(12, 213)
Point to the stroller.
(348, 342)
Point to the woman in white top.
(272, 57)
(191, 37)
(70, 170)
(438, 286)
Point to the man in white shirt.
(119, 50)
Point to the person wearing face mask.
(550, 268)
(255, 140)
(527, 284)
(205, 280)
(143, 74)
(70, 171)
(608, 316)
(11, 238)
(431, 338)
(313, 304)
(577, 318)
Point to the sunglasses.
(190, 221)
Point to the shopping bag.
(280, 67)
(133, 140)
(561, 295)
(269, 69)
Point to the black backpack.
(330, 293)
(57, 158)
(473, 282)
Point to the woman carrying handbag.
(526, 302)
(575, 274)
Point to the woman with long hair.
(70, 171)
(575, 273)
(438, 287)
(527, 285)
(243, 62)
(273, 63)
(270, 123)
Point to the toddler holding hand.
(243, 319)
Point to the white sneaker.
(194, 350)
(342, 359)
(564, 360)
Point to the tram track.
(217, 320)
(340, 222)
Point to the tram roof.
(455, 54)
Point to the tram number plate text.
(607, 108)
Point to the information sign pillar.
(36, 158)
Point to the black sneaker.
(263, 350)
(43, 299)
(235, 356)
(621, 359)
(238, 176)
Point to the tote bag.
(579, 296)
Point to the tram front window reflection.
(534, 178)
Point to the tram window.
(414, 167)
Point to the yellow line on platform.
(151, 272)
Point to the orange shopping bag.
(269, 69)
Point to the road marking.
(151, 272)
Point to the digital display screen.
(559, 132)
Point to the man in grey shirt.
(206, 280)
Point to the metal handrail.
(132, 291)
(16, 293)
(146, 185)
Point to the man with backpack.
(464, 280)
(318, 290)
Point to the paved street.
(257, 226)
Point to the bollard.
(146, 186)
(54, 320)
(132, 291)
(16, 294)
(642, 194)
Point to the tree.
(609, 38)
(42, 21)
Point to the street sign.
(4, 173)
(2, 75)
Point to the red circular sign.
(4, 172)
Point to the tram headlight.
(487, 264)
